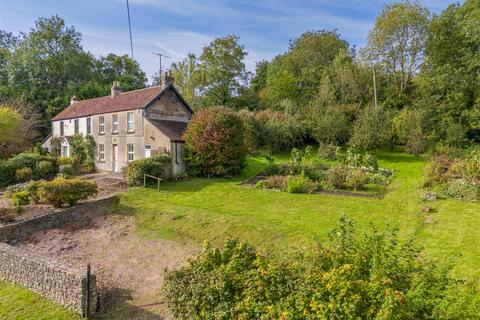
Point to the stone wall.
(64, 285)
(77, 216)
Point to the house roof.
(172, 129)
(131, 100)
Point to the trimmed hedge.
(66, 191)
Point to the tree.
(295, 74)
(8, 42)
(122, 69)
(10, 122)
(47, 63)
(215, 143)
(221, 71)
(449, 84)
(397, 41)
(186, 77)
(372, 129)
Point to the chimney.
(166, 78)
(73, 100)
(115, 90)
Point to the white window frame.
(101, 125)
(114, 123)
(101, 152)
(130, 122)
(130, 153)
(76, 126)
(148, 147)
(89, 125)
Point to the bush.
(66, 191)
(133, 173)
(45, 169)
(7, 173)
(331, 126)
(358, 179)
(21, 198)
(276, 182)
(337, 176)
(215, 143)
(315, 172)
(72, 161)
(434, 173)
(299, 184)
(66, 170)
(23, 174)
(328, 151)
(372, 129)
(463, 190)
(373, 275)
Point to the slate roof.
(172, 129)
(131, 100)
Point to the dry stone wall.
(53, 280)
(77, 216)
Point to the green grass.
(18, 303)
(214, 209)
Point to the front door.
(115, 157)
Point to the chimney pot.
(115, 90)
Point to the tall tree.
(295, 75)
(47, 63)
(10, 122)
(222, 71)
(450, 77)
(186, 77)
(397, 41)
(122, 69)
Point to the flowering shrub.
(353, 276)
(215, 143)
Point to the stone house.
(127, 126)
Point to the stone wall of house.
(64, 285)
(76, 217)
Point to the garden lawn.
(20, 304)
(213, 209)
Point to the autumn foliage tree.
(215, 143)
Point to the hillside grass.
(21, 304)
(214, 209)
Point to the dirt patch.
(130, 269)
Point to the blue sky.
(177, 27)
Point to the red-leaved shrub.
(215, 143)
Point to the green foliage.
(294, 76)
(82, 148)
(463, 190)
(20, 198)
(372, 129)
(10, 122)
(135, 170)
(56, 146)
(397, 41)
(215, 143)
(67, 170)
(45, 169)
(23, 174)
(337, 176)
(352, 276)
(409, 128)
(328, 151)
(9, 167)
(331, 125)
(66, 191)
(297, 184)
(358, 179)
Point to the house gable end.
(169, 105)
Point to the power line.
(160, 55)
(130, 29)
